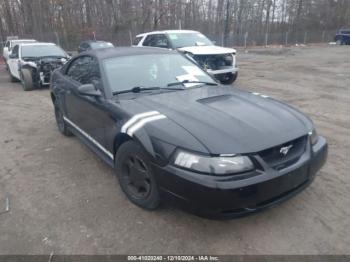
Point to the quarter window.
(136, 40)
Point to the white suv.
(10, 43)
(216, 60)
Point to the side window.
(84, 70)
(94, 76)
(79, 69)
(158, 40)
(162, 41)
(15, 51)
(85, 46)
(149, 40)
(136, 40)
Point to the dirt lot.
(63, 199)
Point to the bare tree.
(222, 20)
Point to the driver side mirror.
(89, 90)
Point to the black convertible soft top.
(127, 51)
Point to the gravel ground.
(63, 199)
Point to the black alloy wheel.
(137, 179)
(133, 169)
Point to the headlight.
(234, 60)
(313, 136)
(228, 59)
(222, 165)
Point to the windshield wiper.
(138, 89)
(192, 82)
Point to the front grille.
(214, 62)
(47, 68)
(275, 159)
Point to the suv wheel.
(27, 80)
(228, 79)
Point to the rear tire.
(61, 124)
(27, 80)
(135, 176)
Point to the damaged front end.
(221, 66)
(42, 68)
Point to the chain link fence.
(71, 40)
(287, 38)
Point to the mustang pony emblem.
(284, 150)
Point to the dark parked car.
(93, 44)
(172, 133)
(343, 37)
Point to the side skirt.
(90, 142)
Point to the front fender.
(141, 137)
(29, 64)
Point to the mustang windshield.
(156, 70)
(42, 50)
(188, 39)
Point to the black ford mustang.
(172, 133)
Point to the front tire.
(136, 177)
(27, 80)
(228, 79)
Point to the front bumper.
(234, 196)
(45, 79)
(226, 70)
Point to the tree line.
(70, 21)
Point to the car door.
(13, 61)
(6, 50)
(87, 114)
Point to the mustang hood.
(230, 121)
(207, 50)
